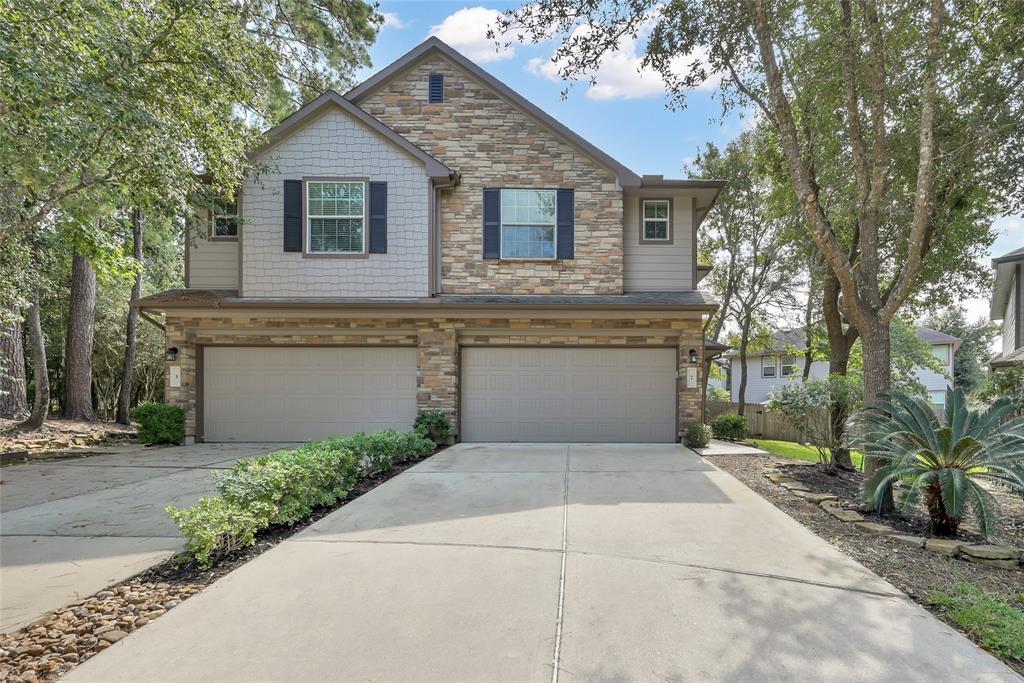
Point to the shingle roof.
(935, 337)
(209, 298)
(1004, 359)
(1015, 255)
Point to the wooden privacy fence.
(761, 422)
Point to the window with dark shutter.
(378, 218)
(293, 215)
(436, 88)
(566, 224)
(492, 224)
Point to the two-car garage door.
(303, 393)
(507, 394)
(568, 394)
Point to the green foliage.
(698, 435)
(973, 353)
(717, 394)
(814, 407)
(998, 626)
(285, 487)
(159, 422)
(1004, 383)
(729, 426)
(943, 462)
(215, 527)
(908, 353)
(434, 425)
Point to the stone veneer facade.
(438, 341)
(494, 144)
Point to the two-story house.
(432, 240)
(783, 361)
(1008, 306)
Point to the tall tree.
(77, 399)
(41, 404)
(13, 399)
(757, 258)
(922, 99)
(131, 330)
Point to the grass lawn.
(788, 449)
(999, 627)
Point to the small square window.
(937, 398)
(224, 218)
(789, 366)
(435, 94)
(767, 366)
(941, 352)
(655, 223)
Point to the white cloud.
(392, 20)
(620, 75)
(466, 31)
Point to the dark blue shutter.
(436, 89)
(378, 218)
(293, 215)
(566, 220)
(492, 223)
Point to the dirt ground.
(59, 435)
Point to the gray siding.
(1010, 320)
(213, 264)
(336, 145)
(658, 267)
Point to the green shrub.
(159, 423)
(698, 435)
(215, 527)
(731, 427)
(433, 425)
(285, 487)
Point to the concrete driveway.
(546, 563)
(69, 528)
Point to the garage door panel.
(288, 394)
(566, 394)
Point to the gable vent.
(436, 89)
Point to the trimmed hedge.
(284, 488)
(159, 423)
(698, 435)
(730, 427)
(434, 425)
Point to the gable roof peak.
(625, 177)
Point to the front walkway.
(69, 528)
(496, 562)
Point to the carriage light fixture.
(171, 353)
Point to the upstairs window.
(655, 221)
(789, 366)
(528, 224)
(435, 90)
(767, 366)
(336, 217)
(941, 351)
(224, 218)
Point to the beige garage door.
(298, 394)
(547, 394)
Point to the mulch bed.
(917, 572)
(62, 639)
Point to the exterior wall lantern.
(171, 354)
(693, 355)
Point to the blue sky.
(625, 114)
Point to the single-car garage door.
(303, 393)
(568, 394)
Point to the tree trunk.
(876, 341)
(741, 396)
(13, 399)
(41, 407)
(124, 398)
(840, 343)
(941, 523)
(78, 350)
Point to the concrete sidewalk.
(69, 528)
(545, 563)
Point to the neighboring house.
(1008, 306)
(773, 367)
(432, 240)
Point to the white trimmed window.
(937, 398)
(768, 366)
(336, 217)
(941, 351)
(224, 218)
(788, 367)
(656, 220)
(528, 224)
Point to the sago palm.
(943, 462)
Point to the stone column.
(437, 380)
(184, 395)
(691, 400)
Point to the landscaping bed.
(58, 436)
(59, 641)
(929, 578)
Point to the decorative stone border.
(999, 556)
